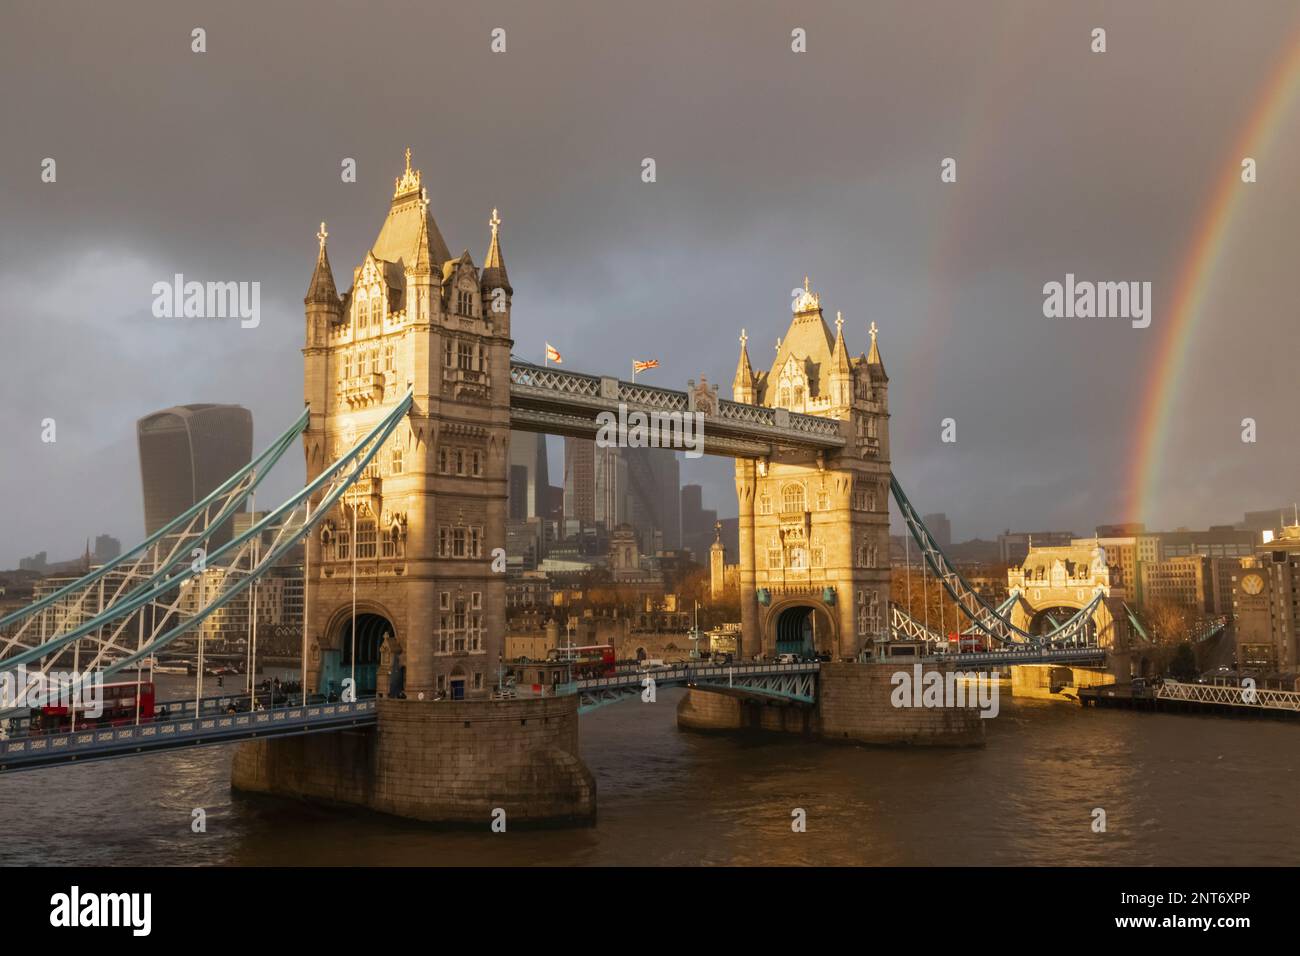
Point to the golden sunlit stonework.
(814, 532)
(419, 528)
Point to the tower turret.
(324, 310)
(742, 387)
(840, 380)
(495, 284)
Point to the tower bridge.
(410, 395)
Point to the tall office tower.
(185, 453)
(579, 483)
(529, 479)
(652, 495)
(107, 548)
(670, 498)
(610, 471)
(940, 527)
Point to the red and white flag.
(642, 366)
(553, 354)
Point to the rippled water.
(1176, 790)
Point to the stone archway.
(804, 627)
(1039, 610)
(376, 645)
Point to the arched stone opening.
(805, 630)
(367, 638)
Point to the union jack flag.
(642, 366)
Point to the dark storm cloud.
(770, 164)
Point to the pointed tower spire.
(422, 261)
(494, 266)
(840, 357)
(840, 378)
(742, 387)
(322, 290)
(873, 357)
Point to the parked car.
(787, 659)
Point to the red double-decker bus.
(109, 705)
(593, 660)
(966, 643)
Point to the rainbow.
(1196, 278)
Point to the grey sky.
(770, 164)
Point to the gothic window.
(823, 500)
(783, 397)
(347, 365)
(458, 543)
(764, 505)
(774, 558)
(458, 457)
(476, 640)
(447, 353)
(390, 543)
(465, 302)
(374, 360)
(366, 537)
(873, 613)
(798, 397)
(444, 601)
(870, 504)
(792, 498)
(465, 355)
(444, 543)
(376, 312)
(390, 359)
(444, 635)
(341, 549)
(818, 557)
(476, 600)
(458, 626)
(476, 461)
(395, 461)
(475, 543)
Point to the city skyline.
(950, 272)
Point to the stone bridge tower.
(422, 526)
(814, 530)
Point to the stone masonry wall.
(853, 705)
(451, 762)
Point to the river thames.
(1176, 790)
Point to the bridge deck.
(789, 683)
(559, 402)
(44, 750)
(1081, 656)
